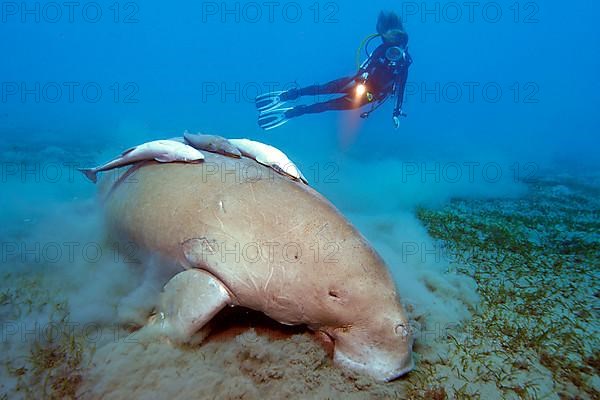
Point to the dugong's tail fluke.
(90, 173)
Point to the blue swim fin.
(272, 119)
(269, 101)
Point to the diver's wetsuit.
(383, 78)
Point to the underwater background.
(484, 203)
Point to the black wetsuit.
(383, 78)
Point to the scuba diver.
(383, 74)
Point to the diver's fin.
(90, 173)
(269, 101)
(273, 118)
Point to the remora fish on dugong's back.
(212, 143)
(269, 156)
(270, 244)
(164, 151)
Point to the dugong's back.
(269, 239)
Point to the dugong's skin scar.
(266, 288)
(219, 219)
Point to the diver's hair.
(387, 21)
(389, 26)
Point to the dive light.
(361, 89)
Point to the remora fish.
(164, 151)
(212, 143)
(269, 156)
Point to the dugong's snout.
(383, 351)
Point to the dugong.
(267, 243)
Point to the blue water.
(163, 69)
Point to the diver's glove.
(396, 117)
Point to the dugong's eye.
(401, 330)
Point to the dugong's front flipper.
(189, 300)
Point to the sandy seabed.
(505, 307)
